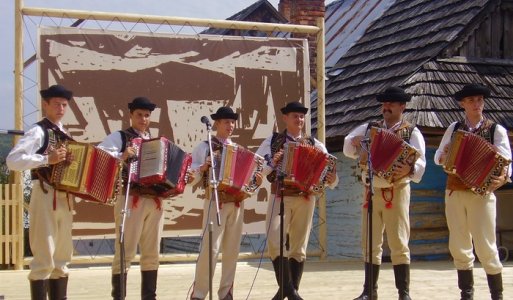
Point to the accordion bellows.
(387, 150)
(93, 174)
(474, 161)
(161, 167)
(237, 171)
(305, 167)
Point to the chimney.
(304, 12)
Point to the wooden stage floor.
(321, 281)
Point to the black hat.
(141, 103)
(294, 107)
(393, 94)
(224, 112)
(56, 91)
(472, 89)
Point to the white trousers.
(143, 227)
(298, 214)
(50, 233)
(471, 217)
(225, 238)
(395, 220)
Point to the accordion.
(387, 151)
(237, 170)
(161, 167)
(93, 174)
(306, 167)
(474, 161)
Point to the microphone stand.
(369, 195)
(281, 186)
(124, 212)
(214, 184)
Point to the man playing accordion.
(471, 216)
(299, 206)
(228, 235)
(51, 210)
(391, 199)
(144, 224)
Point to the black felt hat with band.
(141, 103)
(294, 107)
(472, 89)
(56, 91)
(393, 94)
(224, 112)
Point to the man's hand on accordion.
(278, 156)
(258, 178)
(331, 177)
(402, 169)
(130, 152)
(204, 167)
(190, 176)
(57, 155)
(498, 180)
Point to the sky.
(207, 9)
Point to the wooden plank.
(496, 32)
(508, 34)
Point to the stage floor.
(321, 281)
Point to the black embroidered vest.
(54, 138)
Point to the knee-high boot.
(116, 287)
(58, 288)
(288, 289)
(38, 289)
(466, 284)
(149, 285)
(367, 286)
(495, 285)
(296, 272)
(402, 281)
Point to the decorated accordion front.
(93, 174)
(161, 166)
(387, 151)
(306, 167)
(237, 170)
(474, 161)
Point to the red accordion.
(161, 166)
(474, 161)
(306, 167)
(387, 151)
(93, 174)
(237, 171)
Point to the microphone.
(13, 131)
(205, 121)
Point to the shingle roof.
(434, 84)
(407, 36)
(261, 11)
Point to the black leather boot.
(402, 281)
(366, 286)
(288, 289)
(38, 289)
(149, 285)
(58, 288)
(116, 286)
(466, 284)
(495, 285)
(296, 272)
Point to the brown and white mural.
(188, 77)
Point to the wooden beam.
(152, 19)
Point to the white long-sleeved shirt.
(416, 141)
(500, 140)
(265, 151)
(23, 156)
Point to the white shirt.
(416, 141)
(265, 151)
(113, 143)
(23, 156)
(500, 140)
